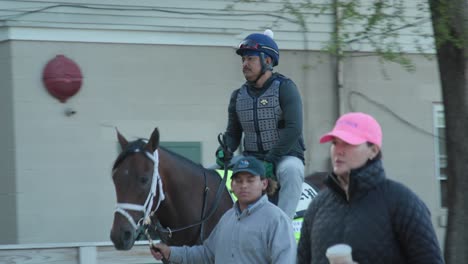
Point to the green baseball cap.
(249, 164)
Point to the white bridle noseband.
(123, 208)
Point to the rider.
(267, 111)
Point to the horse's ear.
(123, 142)
(153, 142)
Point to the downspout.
(305, 95)
(339, 86)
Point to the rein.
(161, 229)
(144, 223)
(213, 208)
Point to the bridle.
(156, 183)
(159, 228)
(144, 222)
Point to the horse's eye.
(144, 180)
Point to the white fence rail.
(75, 253)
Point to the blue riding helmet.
(261, 43)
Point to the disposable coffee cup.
(339, 254)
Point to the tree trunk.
(448, 18)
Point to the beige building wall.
(63, 174)
(148, 68)
(63, 162)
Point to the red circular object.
(62, 78)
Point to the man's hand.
(269, 170)
(160, 251)
(223, 157)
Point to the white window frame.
(438, 110)
(438, 123)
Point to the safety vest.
(259, 117)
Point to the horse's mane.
(189, 162)
(140, 143)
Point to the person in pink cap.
(382, 220)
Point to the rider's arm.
(234, 128)
(291, 130)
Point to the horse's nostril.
(118, 244)
(127, 235)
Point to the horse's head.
(135, 179)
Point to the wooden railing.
(75, 253)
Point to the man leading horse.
(253, 231)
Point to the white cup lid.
(338, 250)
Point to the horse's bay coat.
(136, 183)
(261, 234)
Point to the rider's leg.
(290, 174)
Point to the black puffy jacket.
(383, 222)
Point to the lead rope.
(150, 241)
(160, 229)
(161, 197)
(213, 208)
(205, 199)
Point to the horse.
(317, 179)
(184, 193)
(167, 194)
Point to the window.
(190, 150)
(440, 151)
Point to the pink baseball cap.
(355, 128)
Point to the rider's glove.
(269, 170)
(223, 157)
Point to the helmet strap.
(265, 67)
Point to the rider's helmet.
(262, 43)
